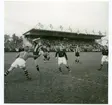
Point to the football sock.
(60, 69)
(26, 74)
(37, 67)
(100, 67)
(77, 60)
(68, 68)
(6, 73)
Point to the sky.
(21, 16)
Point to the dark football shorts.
(45, 56)
(77, 54)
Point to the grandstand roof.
(33, 33)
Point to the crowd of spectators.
(69, 45)
(14, 43)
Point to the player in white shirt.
(20, 62)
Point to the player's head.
(39, 43)
(77, 46)
(61, 48)
(26, 48)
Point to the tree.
(7, 42)
(61, 27)
(51, 26)
(16, 41)
(6, 38)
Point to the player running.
(20, 62)
(77, 54)
(62, 59)
(104, 56)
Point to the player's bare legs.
(104, 59)
(77, 60)
(59, 67)
(26, 73)
(46, 57)
(37, 66)
(12, 68)
(67, 66)
(101, 65)
(8, 71)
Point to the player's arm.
(33, 47)
(17, 55)
(40, 53)
(65, 55)
(33, 56)
(56, 54)
(36, 39)
(79, 50)
(74, 50)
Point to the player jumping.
(37, 51)
(62, 59)
(21, 62)
(104, 56)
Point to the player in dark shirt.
(21, 49)
(105, 52)
(62, 58)
(104, 56)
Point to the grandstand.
(69, 40)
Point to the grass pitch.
(85, 84)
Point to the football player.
(77, 54)
(104, 56)
(62, 58)
(45, 53)
(20, 62)
(37, 51)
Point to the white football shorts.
(19, 62)
(62, 60)
(104, 58)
